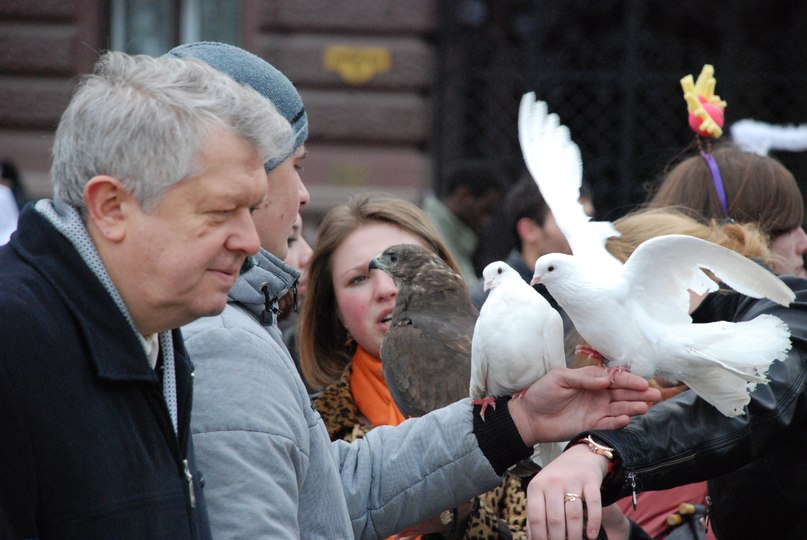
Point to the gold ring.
(571, 497)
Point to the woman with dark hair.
(748, 188)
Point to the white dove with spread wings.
(637, 315)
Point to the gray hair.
(144, 121)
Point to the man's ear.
(105, 198)
(526, 229)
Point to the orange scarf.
(370, 392)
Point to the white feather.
(760, 137)
(554, 162)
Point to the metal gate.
(611, 70)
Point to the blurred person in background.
(473, 191)
(288, 317)
(12, 199)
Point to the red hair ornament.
(704, 106)
(706, 120)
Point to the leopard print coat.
(499, 513)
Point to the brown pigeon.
(426, 353)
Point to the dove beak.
(486, 286)
(536, 279)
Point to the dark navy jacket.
(87, 448)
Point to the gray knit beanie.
(248, 69)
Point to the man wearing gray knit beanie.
(270, 468)
(250, 70)
(241, 363)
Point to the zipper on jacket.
(269, 306)
(189, 478)
(631, 474)
(632, 477)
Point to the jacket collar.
(263, 281)
(114, 347)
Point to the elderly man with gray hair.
(157, 167)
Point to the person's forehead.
(371, 239)
(205, 189)
(383, 233)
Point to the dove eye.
(551, 269)
(499, 270)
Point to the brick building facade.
(365, 71)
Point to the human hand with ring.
(556, 495)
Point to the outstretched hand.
(566, 401)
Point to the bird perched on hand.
(517, 339)
(426, 353)
(636, 316)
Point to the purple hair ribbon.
(718, 181)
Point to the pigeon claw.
(615, 370)
(487, 401)
(519, 394)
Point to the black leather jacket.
(756, 463)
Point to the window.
(155, 26)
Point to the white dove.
(637, 315)
(517, 339)
(638, 319)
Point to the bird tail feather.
(736, 358)
(745, 347)
(724, 390)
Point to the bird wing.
(554, 162)
(427, 362)
(479, 358)
(554, 348)
(518, 338)
(662, 270)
